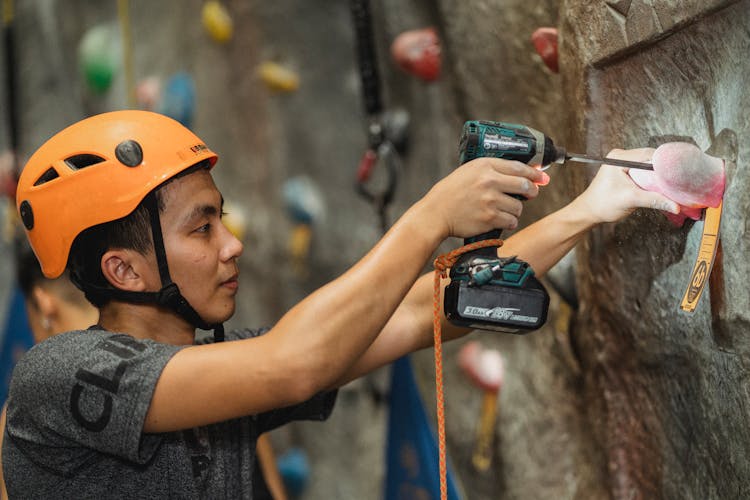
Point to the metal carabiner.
(387, 155)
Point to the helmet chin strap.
(169, 296)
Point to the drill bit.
(608, 161)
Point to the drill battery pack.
(501, 295)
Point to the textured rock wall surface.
(666, 391)
(263, 138)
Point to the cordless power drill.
(502, 294)
(487, 292)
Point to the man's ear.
(126, 269)
(43, 301)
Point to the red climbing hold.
(545, 43)
(418, 53)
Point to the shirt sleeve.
(82, 391)
(319, 407)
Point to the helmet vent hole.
(78, 162)
(47, 176)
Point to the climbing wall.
(632, 398)
(266, 136)
(665, 390)
(620, 395)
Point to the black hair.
(28, 271)
(132, 232)
(84, 262)
(29, 275)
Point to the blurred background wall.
(619, 395)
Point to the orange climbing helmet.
(96, 171)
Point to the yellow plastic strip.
(482, 455)
(7, 12)
(705, 261)
(123, 13)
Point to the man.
(52, 305)
(132, 408)
(56, 306)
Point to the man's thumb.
(661, 202)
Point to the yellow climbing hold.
(277, 77)
(300, 239)
(217, 21)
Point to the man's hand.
(476, 197)
(613, 195)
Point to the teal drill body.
(488, 292)
(509, 142)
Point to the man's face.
(35, 316)
(201, 252)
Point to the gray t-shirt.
(76, 409)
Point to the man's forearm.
(542, 245)
(410, 328)
(545, 242)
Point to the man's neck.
(146, 321)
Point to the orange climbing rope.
(442, 263)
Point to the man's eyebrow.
(202, 211)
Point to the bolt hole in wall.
(724, 145)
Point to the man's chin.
(225, 315)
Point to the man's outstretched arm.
(610, 197)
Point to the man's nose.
(232, 247)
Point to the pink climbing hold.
(686, 175)
(484, 367)
(545, 43)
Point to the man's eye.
(203, 229)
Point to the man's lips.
(232, 282)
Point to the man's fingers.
(643, 155)
(522, 179)
(505, 220)
(511, 205)
(519, 169)
(659, 202)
